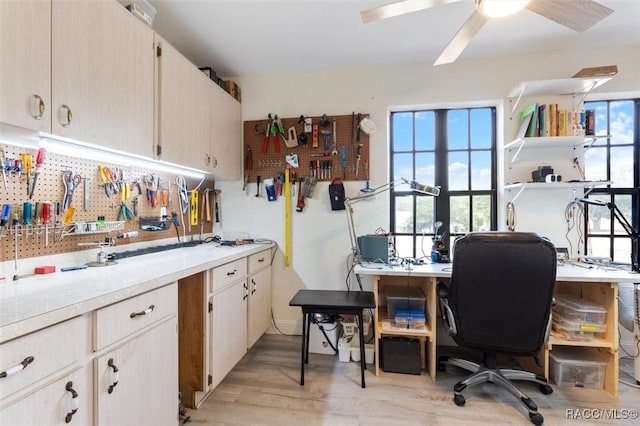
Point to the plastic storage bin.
(404, 298)
(571, 367)
(574, 330)
(575, 309)
(409, 318)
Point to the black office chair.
(499, 302)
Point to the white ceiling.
(246, 37)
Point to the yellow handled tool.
(194, 207)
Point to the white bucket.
(369, 354)
(344, 349)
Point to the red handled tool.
(39, 162)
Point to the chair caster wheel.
(536, 418)
(459, 400)
(546, 389)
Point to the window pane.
(458, 129)
(404, 246)
(599, 216)
(481, 213)
(595, 163)
(622, 166)
(459, 215)
(458, 171)
(481, 128)
(402, 166)
(598, 247)
(480, 170)
(621, 122)
(623, 202)
(622, 250)
(425, 212)
(404, 215)
(402, 127)
(425, 130)
(425, 169)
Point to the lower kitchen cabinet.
(221, 313)
(137, 382)
(229, 329)
(259, 309)
(65, 401)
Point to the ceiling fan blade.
(462, 38)
(399, 8)
(578, 15)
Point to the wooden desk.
(595, 285)
(331, 302)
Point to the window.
(615, 158)
(454, 149)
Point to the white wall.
(320, 242)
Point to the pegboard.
(268, 164)
(42, 240)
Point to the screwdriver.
(39, 161)
(26, 161)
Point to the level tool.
(287, 219)
(194, 207)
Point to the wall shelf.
(520, 187)
(563, 86)
(550, 142)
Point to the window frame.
(441, 151)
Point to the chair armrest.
(445, 310)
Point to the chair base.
(487, 372)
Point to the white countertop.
(563, 273)
(35, 302)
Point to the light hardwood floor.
(263, 389)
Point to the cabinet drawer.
(259, 261)
(228, 273)
(117, 321)
(30, 358)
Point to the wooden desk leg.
(363, 365)
(304, 346)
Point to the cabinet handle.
(13, 370)
(232, 273)
(145, 312)
(74, 402)
(246, 291)
(114, 377)
(253, 290)
(215, 162)
(207, 159)
(38, 106)
(65, 117)
(261, 260)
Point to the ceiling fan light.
(500, 8)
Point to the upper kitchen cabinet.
(183, 105)
(226, 135)
(25, 61)
(102, 75)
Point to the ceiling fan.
(578, 15)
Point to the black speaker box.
(400, 355)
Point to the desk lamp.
(635, 267)
(349, 202)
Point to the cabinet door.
(25, 64)
(226, 136)
(102, 72)
(259, 305)
(54, 404)
(137, 383)
(229, 329)
(183, 109)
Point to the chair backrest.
(501, 291)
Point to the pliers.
(125, 212)
(271, 132)
(152, 190)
